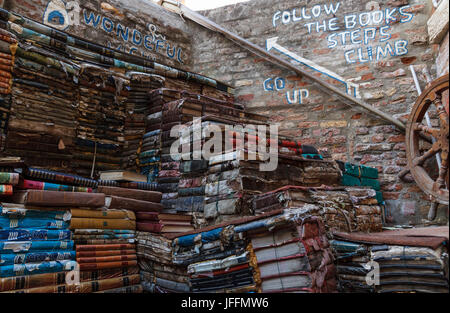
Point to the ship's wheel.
(425, 140)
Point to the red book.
(147, 216)
(149, 227)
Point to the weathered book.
(34, 234)
(120, 203)
(123, 176)
(35, 257)
(163, 227)
(62, 178)
(6, 190)
(37, 268)
(111, 258)
(129, 185)
(39, 223)
(59, 198)
(97, 223)
(9, 178)
(32, 281)
(104, 214)
(144, 195)
(152, 227)
(85, 287)
(129, 289)
(105, 247)
(92, 254)
(15, 162)
(147, 216)
(37, 185)
(105, 265)
(108, 273)
(175, 217)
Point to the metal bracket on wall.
(177, 7)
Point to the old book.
(162, 228)
(106, 265)
(132, 205)
(97, 223)
(147, 216)
(105, 247)
(175, 223)
(59, 198)
(111, 258)
(32, 281)
(123, 176)
(144, 195)
(175, 217)
(93, 254)
(6, 190)
(9, 178)
(104, 214)
(37, 185)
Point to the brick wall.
(320, 119)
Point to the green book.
(9, 178)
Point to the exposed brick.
(373, 147)
(397, 73)
(404, 81)
(309, 141)
(392, 187)
(362, 131)
(408, 60)
(361, 68)
(384, 64)
(415, 8)
(396, 138)
(397, 3)
(244, 82)
(321, 51)
(384, 129)
(377, 138)
(333, 140)
(392, 169)
(333, 124)
(400, 146)
(389, 155)
(391, 195)
(370, 158)
(374, 95)
(308, 124)
(246, 98)
(367, 77)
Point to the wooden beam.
(438, 23)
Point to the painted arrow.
(271, 43)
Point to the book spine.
(6, 190)
(9, 178)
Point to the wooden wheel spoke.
(443, 118)
(437, 100)
(443, 170)
(418, 161)
(427, 130)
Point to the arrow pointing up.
(271, 43)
